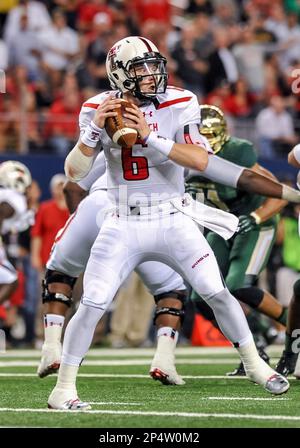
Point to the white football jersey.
(141, 174)
(18, 202)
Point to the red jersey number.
(134, 168)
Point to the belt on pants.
(163, 208)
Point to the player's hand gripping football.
(105, 110)
(137, 121)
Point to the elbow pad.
(77, 165)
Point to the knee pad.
(175, 294)
(297, 289)
(251, 295)
(169, 310)
(56, 277)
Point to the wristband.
(256, 217)
(91, 135)
(290, 194)
(162, 144)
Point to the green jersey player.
(244, 256)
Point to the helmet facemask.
(213, 126)
(148, 76)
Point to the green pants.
(242, 258)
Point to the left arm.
(187, 155)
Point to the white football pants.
(71, 250)
(125, 242)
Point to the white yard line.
(113, 352)
(245, 398)
(116, 403)
(156, 413)
(129, 362)
(129, 375)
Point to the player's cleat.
(50, 362)
(287, 363)
(167, 376)
(277, 384)
(240, 370)
(163, 367)
(66, 400)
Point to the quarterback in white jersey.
(152, 220)
(14, 180)
(68, 259)
(72, 247)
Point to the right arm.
(80, 160)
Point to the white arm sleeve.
(98, 169)
(219, 170)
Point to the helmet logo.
(112, 57)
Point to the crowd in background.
(241, 55)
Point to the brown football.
(118, 130)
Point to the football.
(118, 130)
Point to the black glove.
(246, 224)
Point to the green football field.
(122, 394)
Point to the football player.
(288, 363)
(15, 178)
(68, 260)
(245, 255)
(151, 218)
